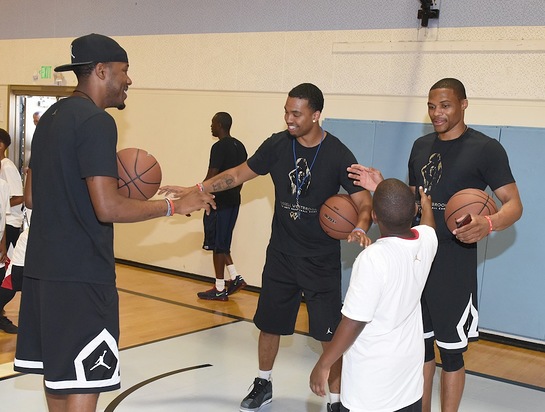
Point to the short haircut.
(83, 72)
(394, 204)
(225, 120)
(453, 84)
(5, 137)
(311, 93)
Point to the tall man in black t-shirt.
(453, 158)
(218, 225)
(307, 166)
(69, 314)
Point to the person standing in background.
(10, 174)
(36, 118)
(7, 289)
(218, 225)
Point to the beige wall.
(180, 81)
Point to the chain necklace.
(299, 184)
(85, 94)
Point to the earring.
(313, 121)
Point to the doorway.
(27, 104)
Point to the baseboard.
(178, 273)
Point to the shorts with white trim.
(286, 279)
(449, 300)
(69, 332)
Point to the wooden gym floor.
(161, 313)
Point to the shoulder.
(278, 140)
(426, 233)
(334, 140)
(478, 139)
(334, 143)
(237, 142)
(426, 139)
(8, 164)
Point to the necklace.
(85, 94)
(300, 182)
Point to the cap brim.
(68, 67)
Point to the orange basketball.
(139, 173)
(338, 216)
(468, 201)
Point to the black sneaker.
(7, 326)
(334, 407)
(213, 294)
(260, 395)
(235, 285)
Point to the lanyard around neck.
(299, 184)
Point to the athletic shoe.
(235, 285)
(260, 395)
(7, 326)
(334, 407)
(214, 294)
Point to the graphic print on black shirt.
(431, 171)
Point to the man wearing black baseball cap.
(94, 48)
(89, 52)
(69, 315)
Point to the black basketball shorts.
(449, 300)
(286, 279)
(69, 332)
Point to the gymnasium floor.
(183, 354)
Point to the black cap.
(94, 48)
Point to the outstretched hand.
(359, 236)
(189, 199)
(173, 192)
(366, 177)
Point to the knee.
(452, 362)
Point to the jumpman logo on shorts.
(329, 332)
(100, 362)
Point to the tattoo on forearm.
(223, 183)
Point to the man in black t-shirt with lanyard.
(307, 166)
(453, 158)
(226, 153)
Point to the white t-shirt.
(4, 205)
(10, 174)
(383, 369)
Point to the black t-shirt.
(473, 160)
(74, 139)
(319, 174)
(226, 153)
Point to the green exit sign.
(45, 72)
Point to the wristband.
(490, 228)
(200, 186)
(169, 207)
(359, 229)
(171, 204)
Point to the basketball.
(139, 173)
(468, 201)
(338, 216)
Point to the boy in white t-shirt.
(381, 333)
